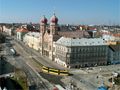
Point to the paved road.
(32, 76)
(34, 80)
(40, 59)
(7, 69)
(94, 77)
(86, 84)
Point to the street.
(40, 59)
(34, 80)
(7, 70)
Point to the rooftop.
(65, 41)
(22, 30)
(34, 34)
(75, 34)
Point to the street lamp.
(114, 74)
(33, 41)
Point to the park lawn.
(21, 79)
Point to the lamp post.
(113, 76)
(33, 41)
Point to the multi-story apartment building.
(81, 52)
(21, 32)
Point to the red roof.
(92, 28)
(77, 34)
(55, 88)
(22, 30)
(44, 20)
(54, 19)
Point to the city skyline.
(59, 44)
(71, 12)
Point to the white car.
(7, 75)
(4, 88)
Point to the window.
(64, 49)
(85, 42)
(74, 49)
(49, 47)
(78, 49)
(68, 55)
(68, 50)
(40, 44)
(83, 49)
(53, 48)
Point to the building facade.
(21, 32)
(81, 52)
(32, 39)
(7, 30)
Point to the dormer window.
(85, 42)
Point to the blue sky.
(67, 11)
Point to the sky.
(68, 11)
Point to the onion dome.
(44, 20)
(54, 19)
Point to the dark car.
(8, 44)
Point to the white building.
(80, 52)
(21, 32)
(7, 30)
(32, 39)
(108, 36)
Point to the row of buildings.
(72, 48)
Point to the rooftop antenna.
(43, 15)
